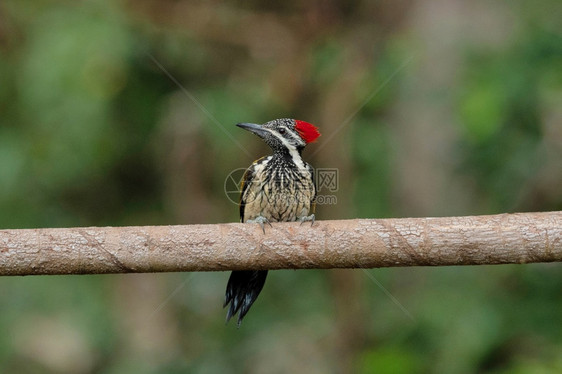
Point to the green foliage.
(500, 108)
(390, 360)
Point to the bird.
(275, 188)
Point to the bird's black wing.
(244, 287)
(313, 201)
(245, 183)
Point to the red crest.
(307, 131)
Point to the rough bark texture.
(359, 243)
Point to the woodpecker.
(275, 188)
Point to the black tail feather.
(242, 290)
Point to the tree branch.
(359, 243)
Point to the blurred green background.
(427, 108)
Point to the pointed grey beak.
(252, 127)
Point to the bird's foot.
(261, 220)
(311, 218)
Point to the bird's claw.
(311, 218)
(261, 220)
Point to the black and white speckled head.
(284, 134)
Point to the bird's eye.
(282, 131)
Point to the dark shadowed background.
(123, 112)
